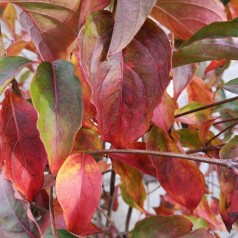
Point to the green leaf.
(7, 73)
(61, 234)
(162, 227)
(56, 95)
(219, 40)
(232, 86)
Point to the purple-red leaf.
(129, 85)
(181, 179)
(78, 189)
(129, 18)
(182, 77)
(21, 146)
(16, 219)
(229, 185)
(184, 18)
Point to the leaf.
(9, 16)
(61, 234)
(79, 181)
(229, 185)
(204, 45)
(8, 73)
(216, 64)
(16, 219)
(89, 6)
(163, 114)
(232, 86)
(198, 91)
(162, 227)
(132, 189)
(129, 85)
(21, 146)
(140, 162)
(182, 77)
(196, 118)
(200, 233)
(181, 179)
(56, 95)
(47, 22)
(129, 18)
(185, 18)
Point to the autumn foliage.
(122, 92)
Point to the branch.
(52, 215)
(206, 107)
(228, 163)
(224, 121)
(110, 222)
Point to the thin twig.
(110, 221)
(52, 215)
(224, 121)
(206, 107)
(228, 163)
(221, 132)
(111, 198)
(128, 218)
(205, 149)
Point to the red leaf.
(21, 146)
(215, 64)
(229, 185)
(204, 130)
(163, 115)
(79, 181)
(129, 85)
(138, 161)
(184, 18)
(181, 179)
(130, 16)
(182, 77)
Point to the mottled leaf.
(162, 227)
(182, 77)
(232, 86)
(129, 85)
(7, 73)
(56, 94)
(229, 185)
(132, 189)
(163, 114)
(16, 219)
(129, 18)
(21, 147)
(181, 179)
(184, 18)
(79, 181)
(9, 17)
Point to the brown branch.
(52, 215)
(110, 221)
(128, 218)
(221, 132)
(224, 121)
(229, 163)
(206, 107)
(205, 149)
